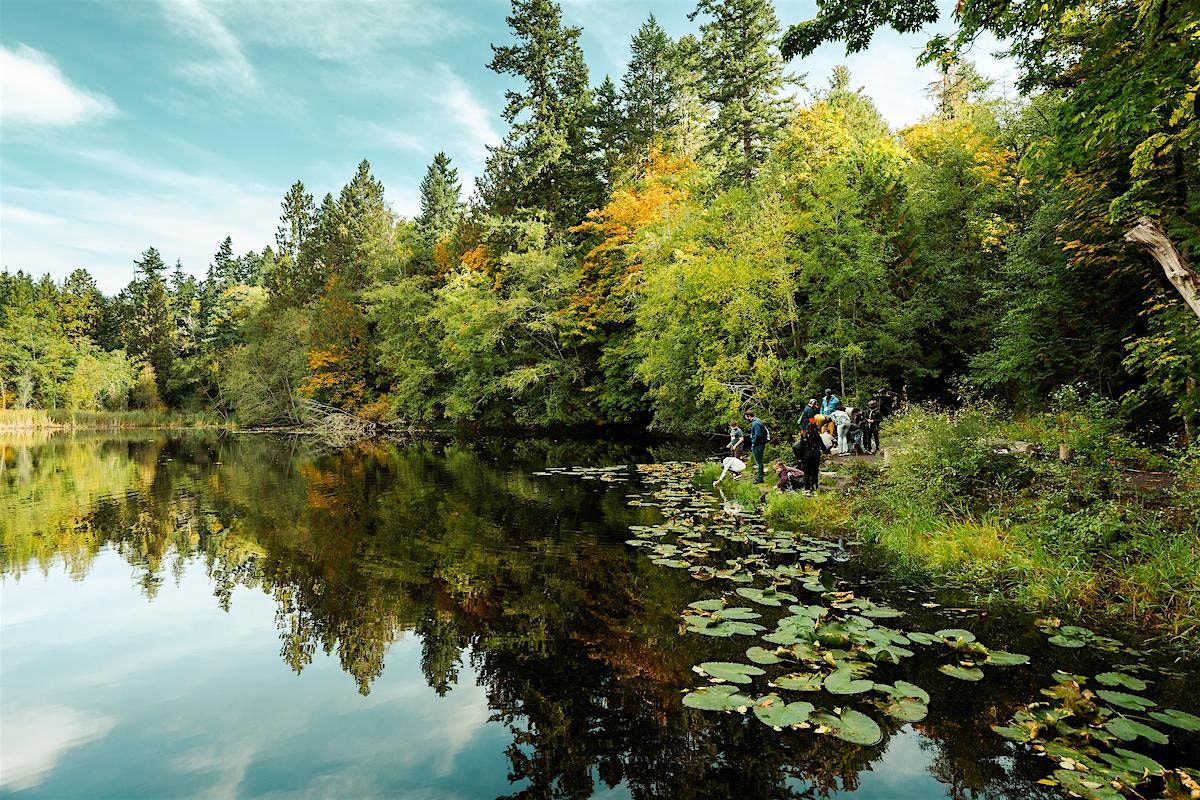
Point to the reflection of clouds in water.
(427, 735)
(34, 739)
(905, 758)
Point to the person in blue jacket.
(829, 402)
(758, 444)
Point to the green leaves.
(1121, 679)
(728, 671)
(842, 681)
(961, 672)
(1125, 700)
(773, 711)
(851, 726)
(1130, 729)
(1178, 719)
(717, 698)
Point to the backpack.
(768, 430)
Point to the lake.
(212, 615)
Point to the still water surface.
(244, 616)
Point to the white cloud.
(226, 66)
(472, 118)
(33, 741)
(35, 92)
(103, 229)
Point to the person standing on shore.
(758, 444)
(842, 420)
(808, 452)
(810, 411)
(735, 439)
(830, 402)
(871, 421)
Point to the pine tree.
(609, 126)
(222, 271)
(296, 223)
(650, 88)
(743, 76)
(351, 224)
(150, 334)
(80, 305)
(534, 167)
(441, 206)
(150, 265)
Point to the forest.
(705, 233)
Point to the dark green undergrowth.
(985, 502)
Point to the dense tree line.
(665, 248)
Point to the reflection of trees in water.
(573, 637)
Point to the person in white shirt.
(731, 464)
(842, 420)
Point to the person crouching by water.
(808, 450)
(790, 478)
(736, 436)
(758, 444)
(731, 464)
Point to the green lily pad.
(1066, 677)
(800, 681)
(729, 671)
(760, 655)
(960, 672)
(1121, 679)
(904, 689)
(956, 636)
(784, 637)
(737, 613)
(1018, 733)
(1000, 658)
(767, 597)
(851, 726)
(772, 711)
(1130, 729)
(1086, 785)
(727, 628)
(1125, 700)
(1136, 763)
(920, 637)
(715, 604)
(672, 562)
(1178, 719)
(1058, 640)
(908, 709)
(842, 681)
(717, 698)
(882, 612)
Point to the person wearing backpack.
(759, 436)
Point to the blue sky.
(178, 122)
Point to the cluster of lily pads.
(825, 647)
(1088, 734)
(606, 474)
(825, 644)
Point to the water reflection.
(502, 638)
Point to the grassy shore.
(987, 504)
(60, 419)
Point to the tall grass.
(38, 419)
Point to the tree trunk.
(1149, 235)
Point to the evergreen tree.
(351, 224)
(80, 306)
(532, 168)
(743, 76)
(441, 206)
(650, 88)
(150, 333)
(609, 128)
(223, 271)
(297, 222)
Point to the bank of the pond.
(952, 502)
(34, 419)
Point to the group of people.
(856, 431)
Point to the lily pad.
(1125, 700)
(842, 681)
(729, 671)
(908, 709)
(672, 562)
(904, 689)
(1060, 640)
(961, 672)
(760, 655)
(1086, 785)
(716, 698)
(773, 711)
(1130, 729)
(955, 636)
(1000, 658)
(852, 726)
(1178, 719)
(727, 628)
(738, 613)
(920, 637)
(800, 681)
(768, 597)
(1121, 679)
(1018, 733)
(1136, 763)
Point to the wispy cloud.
(224, 64)
(35, 92)
(471, 117)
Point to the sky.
(175, 123)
